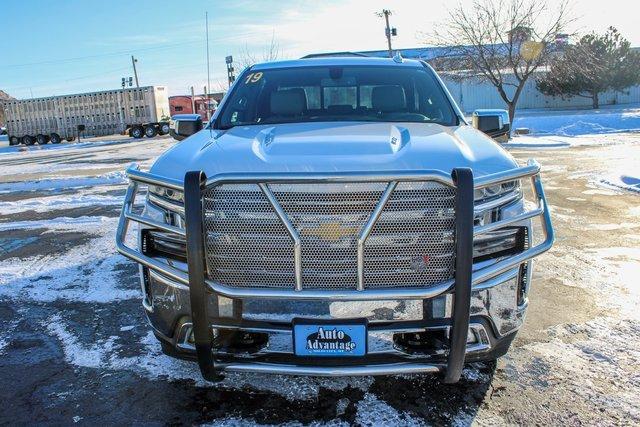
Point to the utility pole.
(206, 100)
(388, 30)
(135, 72)
(193, 101)
(206, 18)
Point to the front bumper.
(479, 310)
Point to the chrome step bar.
(332, 371)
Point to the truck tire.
(164, 129)
(14, 140)
(70, 138)
(55, 138)
(137, 132)
(150, 131)
(28, 140)
(41, 139)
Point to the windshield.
(316, 94)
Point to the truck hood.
(334, 148)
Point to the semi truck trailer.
(137, 112)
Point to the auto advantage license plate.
(312, 337)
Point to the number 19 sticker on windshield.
(253, 78)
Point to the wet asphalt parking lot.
(75, 346)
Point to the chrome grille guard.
(532, 171)
(465, 280)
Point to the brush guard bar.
(203, 292)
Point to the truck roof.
(337, 61)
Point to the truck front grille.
(410, 245)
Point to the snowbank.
(564, 129)
(545, 143)
(575, 123)
(556, 142)
(626, 182)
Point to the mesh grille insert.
(246, 244)
(411, 244)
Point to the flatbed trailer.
(137, 112)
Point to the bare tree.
(270, 52)
(502, 42)
(219, 86)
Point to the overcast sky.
(52, 48)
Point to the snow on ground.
(73, 275)
(58, 184)
(592, 351)
(581, 129)
(564, 129)
(11, 149)
(48, 203)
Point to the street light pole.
(230, 76)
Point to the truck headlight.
(168, 204)
(490, 203)
(167, 193)
(497, 195)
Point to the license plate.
(330, 338)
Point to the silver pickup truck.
(337, 216)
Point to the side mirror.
(494, 123)
(182, 126)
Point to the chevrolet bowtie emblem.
(332, 231)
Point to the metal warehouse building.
(473, 93)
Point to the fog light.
(240, 341)
(432, 342)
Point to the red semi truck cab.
(182, 104)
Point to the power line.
(173, 66)
(130, 51)
(43, 83)
(81, 58)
